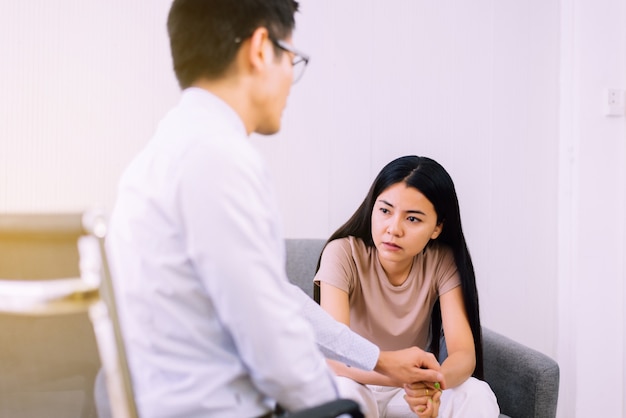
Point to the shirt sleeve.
(337, 266)
(233, 235)
(334, 339)
(447, 272)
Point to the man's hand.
(410, 365)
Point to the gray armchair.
(525, 381)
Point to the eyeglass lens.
(298, 68)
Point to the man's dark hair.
(205, 35)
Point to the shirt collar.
(201, 98)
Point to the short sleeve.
(337, 266)
(447, 272)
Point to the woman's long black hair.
(434, 182)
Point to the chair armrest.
(525, 381)
(330, 409)
(47, 297)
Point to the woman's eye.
(384, 210)
(413, 219)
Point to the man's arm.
(335, 340)
(235, 244)
(338, 342)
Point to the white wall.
(593, 203)
(82, 84)
(475, 86)
(507, 95)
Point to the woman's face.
(403, 221)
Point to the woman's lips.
(391, 246)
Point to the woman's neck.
(397, 272)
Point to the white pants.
(472, 399)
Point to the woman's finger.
(425, 411)
(415, 402)
(436, 403)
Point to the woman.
(397, 272)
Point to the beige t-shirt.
(392, 317)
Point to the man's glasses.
(299, 60)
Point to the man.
(212, 326)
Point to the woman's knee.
(473, 395)
(359, 393)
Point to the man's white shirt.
(212, 326)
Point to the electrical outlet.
(614, 100)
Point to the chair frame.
(92, 293)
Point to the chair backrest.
(302, 255)
(105, 319)
(47, 363)
(39, 246)
(49, 291)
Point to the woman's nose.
(394, 227)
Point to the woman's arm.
(362, 376)
(336, 341)
(461, 361)
(336, 302)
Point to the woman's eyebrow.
(419, 212)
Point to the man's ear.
(259, 52)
